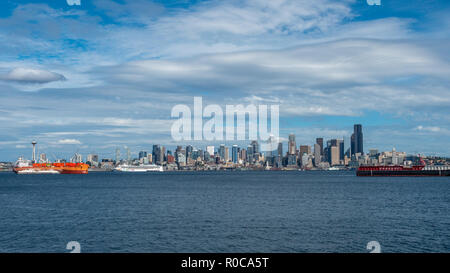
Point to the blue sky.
(106, 73)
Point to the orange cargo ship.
(62, 168)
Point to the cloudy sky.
(106, 74)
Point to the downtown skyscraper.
(357, 140)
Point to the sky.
(91, 76)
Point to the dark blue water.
(224, 212)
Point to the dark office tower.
(189, 150)
(235, 153)
(255, 147)
(156, 153)
(292, 146)
(179, 148)
(162, 154)
(142, 154)
(319, 141)
(222, 151)
(249, 153)
(280, 149)
(357, 140)
(341, 150)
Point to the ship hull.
(74, 171)
(36, 171)
(403, 173)
(62, 168)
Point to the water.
(224, 212)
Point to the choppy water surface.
(224, 212)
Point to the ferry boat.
(139, 168)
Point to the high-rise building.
(305, 149)
(317, 155)
(339, 144)
(189, 150)
(156, 154)
(181, 159)
(292, 146)
(341, 149)
(227, 154)
(235, 154)
(255, 148)
(334, 155)
(280, 149)
(319, 141)
(250, 153)
(357, 140)
(222, 152)
(142, 154)
(162, 154)
(128, 154)
(243, 154)
(210, 150)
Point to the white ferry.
(139, 168)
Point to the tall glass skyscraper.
(292, 146)
(234, 153)
(357, 140)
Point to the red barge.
(420, 170)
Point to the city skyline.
(105, 74)
(306, 157)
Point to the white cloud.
(432, 129)
(31, 76)
(69, 141)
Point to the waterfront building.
(43, 158)
(92, 159)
